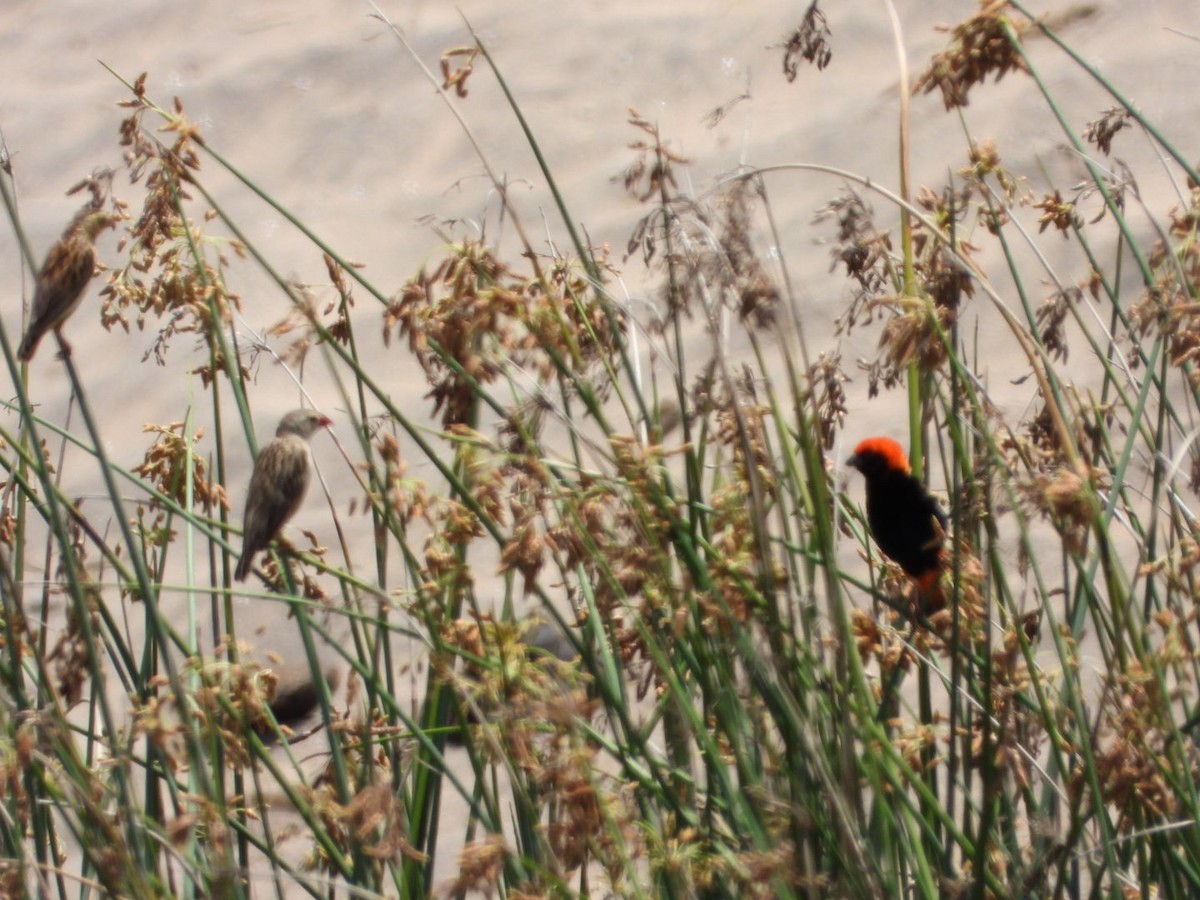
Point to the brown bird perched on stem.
(278, 483)
(68, 268)
(907, 523)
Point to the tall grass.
(758, 706)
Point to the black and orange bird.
(907, 523)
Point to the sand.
(322, 107)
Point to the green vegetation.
(756, 710)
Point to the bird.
(69, 266)
(294, 698)
(278, 483)
(907, 523)
(547, 640)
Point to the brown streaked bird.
(68, 268)
(278, 483)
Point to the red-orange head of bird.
(879, 454)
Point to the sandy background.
(320, 105)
